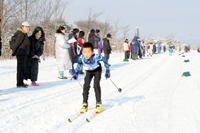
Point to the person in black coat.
(73, 49)
(106, 46)
(36, 50)
(21, 50)
(0, 45)
(92, 38)
(0, 40)
(164, 48)
(154, 48)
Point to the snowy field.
(154, 99)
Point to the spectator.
(36, 50)
(106, 46)
(79, 46)
(92, 38)
(98, 39)
(126, 49)
(73, 51)
(134, 48)
(62, 53)
(21, 50)
(0, 39)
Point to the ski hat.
(25, 23)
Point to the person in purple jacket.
(99, 42)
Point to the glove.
(72, 40)
(107, 75)
(75, 76)
(38, 59)
(13, 54)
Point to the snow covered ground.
(154, 99)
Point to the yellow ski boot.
(83, 108)
(98, 108)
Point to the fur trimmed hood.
(19, 29)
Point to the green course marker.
(186, 61)
(186, 74)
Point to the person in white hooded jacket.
(150, 49)
(62, 52)
(126, 49)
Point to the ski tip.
(87, 120)
(69, 120)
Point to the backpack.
(12, 41)
(148, 47)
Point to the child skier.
(90, 62)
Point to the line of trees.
(46, 13)
(49, 15)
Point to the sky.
(155, 18)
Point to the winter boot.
(98, 108)
(22, 86)
(34, 83)
(84, 108)
(60, 75)
(125, 60)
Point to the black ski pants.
(127, 54)
(97, 78)
(21, 66)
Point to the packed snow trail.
(155, 98)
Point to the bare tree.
(91, 21)
(37, 12)
(1, 11)
(125, 31)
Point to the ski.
(91, 117)
(77, 115)
(94, 115)
(74, 117)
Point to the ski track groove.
(42, 99)
(171, 99)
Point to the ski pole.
(78, 82)
(119, 89)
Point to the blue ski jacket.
(134, 45)
(92, 63)
(159, 48)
